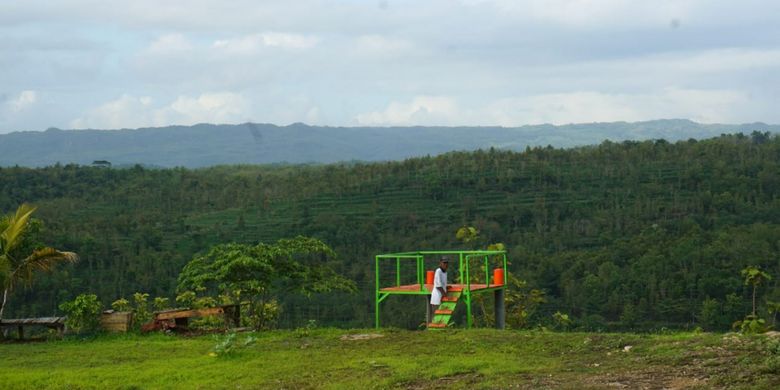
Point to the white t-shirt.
(439, 280)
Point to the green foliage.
(226, 345)
(663, 226)
(711, 315)
(141, 313)
(229, 344)
(629, 317)
(773, 308)
(256, 274)
(20, 259)
(522, 303)
(83, 313)
(497, 359)
(751, 325)
(121, 304)
(754, 277)
(186, 299)
(160, 304)
(467, 234)
(562, 321)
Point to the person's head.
(444, 262)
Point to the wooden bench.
(179, 318)
(57, 323)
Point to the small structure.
(422, 285)
(57, 323)
(178, 319)
(116, 321)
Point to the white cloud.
(382, 46)
(132, 112)
(706, 106)
(220, 107)
(22, 101)
(170, 43)
(421, 110)
(250, 43)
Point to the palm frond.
(9, 237)
(5, 269)
(43, 259)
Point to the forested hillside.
(205, 145)
(619, 235)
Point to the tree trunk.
(2, 306)
(754, 300)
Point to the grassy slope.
(401, 359)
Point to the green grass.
(451, 359)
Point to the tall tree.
(259, 274)
(16, 267)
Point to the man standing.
(439, 283)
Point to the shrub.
(83, 313)
(142, 313)
(160, 304)
(121, 304)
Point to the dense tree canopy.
(631, 234)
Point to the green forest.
(619, 236)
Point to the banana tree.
(17, 267)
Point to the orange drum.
(429, 277)
(498, 276)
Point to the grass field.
(453, 359)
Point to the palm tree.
(15, 267)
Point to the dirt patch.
(657, 378)
(445, 382)
(361, 336)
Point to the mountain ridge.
(206, 144)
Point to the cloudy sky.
(106, 64)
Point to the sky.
(108, 65)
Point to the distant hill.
(250, 143)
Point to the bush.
(121, 304)
(751, 325)
(142, 313)
(83, 313)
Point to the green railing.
(464, 259)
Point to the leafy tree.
(754, 277)
(467, 234)
(16, 264)
(522, 302)
(257, 274)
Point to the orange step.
(436, 325)
(443, 311)
(449, 299)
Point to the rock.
(627, 348)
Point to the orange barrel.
(429, 277)
(498, 276)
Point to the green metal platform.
(457, 292)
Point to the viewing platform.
(472, 275)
